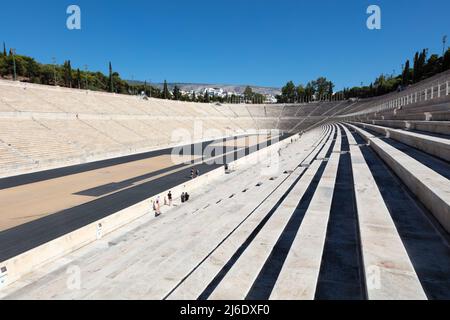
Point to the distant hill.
(225, 87)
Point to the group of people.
(168, 200)
(195, 173)
(184, 197)
(157, 203)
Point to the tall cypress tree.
(421, 64)
(405, 75)
(415, 68)
(165, 90)
(79, 78)
(111, 81)
(4, 49)
(70, 74)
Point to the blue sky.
(260, 42)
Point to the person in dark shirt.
(169, 196)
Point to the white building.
(268, 98)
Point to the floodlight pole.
(444, 41)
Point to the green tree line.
(26, 69)
(320, 89)
(421, 68)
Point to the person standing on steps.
(169, 196)
(158, 206)
(154, 208)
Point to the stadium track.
(24, 237)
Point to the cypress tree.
(70, 74)
(415, 68)
(176, 93)
(79, 78)
(165, 90)
(111, 82)
(4, 49)
(421, 64)
(405, 75)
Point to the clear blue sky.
(260, 42)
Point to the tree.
(206, 96)
(176, 93)
(300, 93)
(406, 75)
(419, 72)
(248, 93)
(330, 89)
(259, 98)
(32, 69)
(433, 66)
(111, 81)
(416, 68)
(446, 61)
(46, 74)
(165, 90)
(78, 78)
(322, 87)
(4, 49)
(288, 92)
(309, 91)
(4, 68)
(67, 74)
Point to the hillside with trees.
(421, 68)
(26, 69)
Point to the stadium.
(326, 198)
